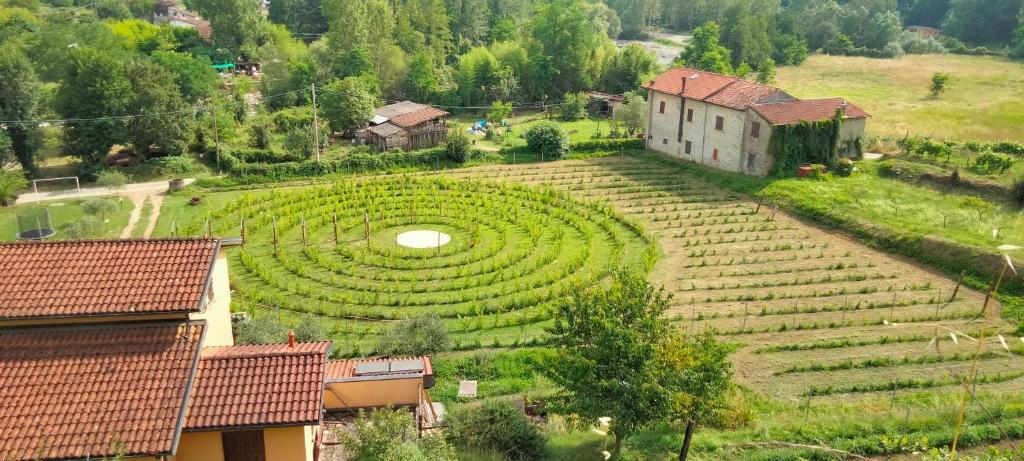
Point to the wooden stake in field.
(760, 201)
(207, 225)
(273, 225)
(334, 221)
(366, 226)
(745, 306)
(302, 219)
(956, 290)
(241, 228)
(174, 228)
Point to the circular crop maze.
(508, 251)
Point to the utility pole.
(216, 134)
(316, 123)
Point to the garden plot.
(816, 313)
(342, 252)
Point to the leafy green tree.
(696, 373)
(301, 17)
(496, 426)
(388, 434)
(167, 123)
(16, 23)
(628, 69)
(643, 370)
(417, 336)
(982, 21)
(348, 24)
(743, 70)
(261, 132)
(632, 113)
(420, 80)
(457, 147)
(20, 93)
(194, 76)
(114, 180)
(301, 140)
(766, 72)
(10, 182)
(746, 31)
(870, 24)
(477, 72)
(262, 329)
(631, 16)
(499, 111)
(940, 80)
(429, 20)
(84, 227)
(96, 87)
(564, 40)
(705, 52)
(310, 329)
(978, 205)
(348, 104)
(102, 207)
(237, 24)
(142, 36)
(547, 139)
(574, 106)
(924, 12)
(469, 20)
(816, 21)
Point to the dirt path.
(154, 214)
(139, 202)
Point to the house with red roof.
(123, 348)
(726, 122)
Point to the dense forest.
(108, 76)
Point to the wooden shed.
(406, 125)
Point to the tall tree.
(95, 91)
(237, 24)
(618, 357)
(348, 104)
(304, 18)
(815, 21)
(628, 69)
(348, 24)
(563, 42)
(421, 81)
(167, 123)
(747, 33)
(19, 100)
(705, 52)
(983, 22)
(631, 14)
(193, 75)
(468, 22)
(430, 20)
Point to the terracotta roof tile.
(721, 90)
(741, 94)
(263, 385)
(787, 113)
(77, 392)
(103, 277)
(417, 117)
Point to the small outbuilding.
(405, 125)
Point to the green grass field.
(63, 212)
(983, 101)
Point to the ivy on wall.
(806, 142)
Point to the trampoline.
(35, 225)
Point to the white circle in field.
(423, 239)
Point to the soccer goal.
(61, 184)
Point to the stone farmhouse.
(726, 122)
(405, 125)
(124, 348)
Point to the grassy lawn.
(983, 101)
(62, 212)
(579, 131)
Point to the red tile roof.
(417, 117)
(256, 386)
(104, 277)
(77, 392)
(722, 90)
(741, 94)
(787, 113)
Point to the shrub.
(388, 434)
(10, 182)
(100, 206)
(990, 162)
(112, 179)
(293, 117)
(418, 336)
(176, 165)
(457, 147)
(300, 141)
(264, 329)
(844, 167)
(261, 132)
(939, 83)
(310, 329)
(496, 426)
(548, 139)
(84, 227)
(1017, 192)
(574, 107)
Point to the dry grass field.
(983, 101)
(815, 313)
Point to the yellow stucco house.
(124, 348)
